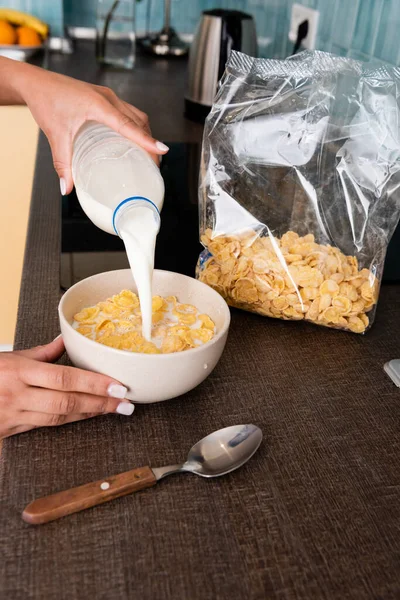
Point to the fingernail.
(58, 337)
(115, 390)
(125, 408)
(63, 186)
(162, 147)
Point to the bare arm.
(34, 392)
(10, 72)
(60, 105)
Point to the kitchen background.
(361, 29)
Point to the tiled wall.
(357, 28)
(185, 13)
(360, 29)
(50, 11)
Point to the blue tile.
(327, 13)
(308, 3)
(359, 28)
(357, 55)
(281, 45)
(387, 41)
(266, 20)
(338, 50)
(367, 24)
(141, 17)
(50, 12)
(251, 4)
(185, 15)
(80, 13)
(344, 22)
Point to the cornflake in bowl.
(117, 323)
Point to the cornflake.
(290, 278)
(117, 323)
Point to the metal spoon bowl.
(217, 454)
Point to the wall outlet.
(302, 13)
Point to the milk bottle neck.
(127, 208)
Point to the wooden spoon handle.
(70, 501)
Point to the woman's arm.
(60, 105)
(10, 72)
(34, 392)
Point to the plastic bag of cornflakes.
(299, 189)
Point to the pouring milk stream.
(121, 190)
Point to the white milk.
(139, 236)
(121, 190)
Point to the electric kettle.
(218, 32)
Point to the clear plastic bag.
(299, 187)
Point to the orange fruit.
(28, 37)
(8, 35)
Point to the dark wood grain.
(314, 515)
(67, 502)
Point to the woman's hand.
(60, 105)
(34, 393)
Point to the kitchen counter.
(314, 514)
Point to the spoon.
(217, 454)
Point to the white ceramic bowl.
(148, 377)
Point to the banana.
(16, 17)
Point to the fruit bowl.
(20, 53)
(21, 34)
